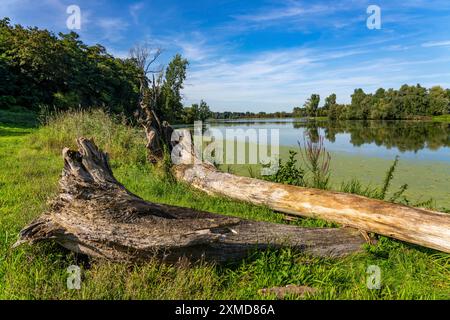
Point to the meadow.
(30, 164)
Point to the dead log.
(96, 215)
(415, 225)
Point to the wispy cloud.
(294, 9)
(135, 9)
(192, 45)
(430, 44)
(267, 54)
(112, 28)
(300, 15)
(193, 52)
(282, 79)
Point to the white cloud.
(134, 9)
(230, 77)
(192, 52)
(282, 79)
(436, 44)
(112, 28)
(194, 46)
(299, 16)
(274, 14)
(291, 9)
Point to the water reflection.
(413, 139)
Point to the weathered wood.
(157, 133)
(415, 225)
(96, 215)
(282, 292)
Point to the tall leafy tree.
(298, 112)
(360, 105)
(330, 101)
(204, 111)
(197, 112)
(175, 74)
(439, 101)
(312, 104)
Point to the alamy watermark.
(74, 278)
(73, 21)
(233, 146)
(373, 280)
(374, 20)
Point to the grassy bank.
(30, 165)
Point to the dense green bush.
(288, 172)
(38, 68)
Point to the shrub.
(289, 172)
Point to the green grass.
(442, 118)
(30, 165)
(18, 117)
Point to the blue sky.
(267, 55)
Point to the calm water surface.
(415, 140)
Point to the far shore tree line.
(40, 70)
(408, 102)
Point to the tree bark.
(96, 215)
(415, 225)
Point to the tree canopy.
(197, 112)
(407, 102)
(39, 69)
(312, 104)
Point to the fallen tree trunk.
(96, 215)
(415, 225)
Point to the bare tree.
(158, 134)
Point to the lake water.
(412, 140)
(364, 150)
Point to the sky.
(266, 55)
